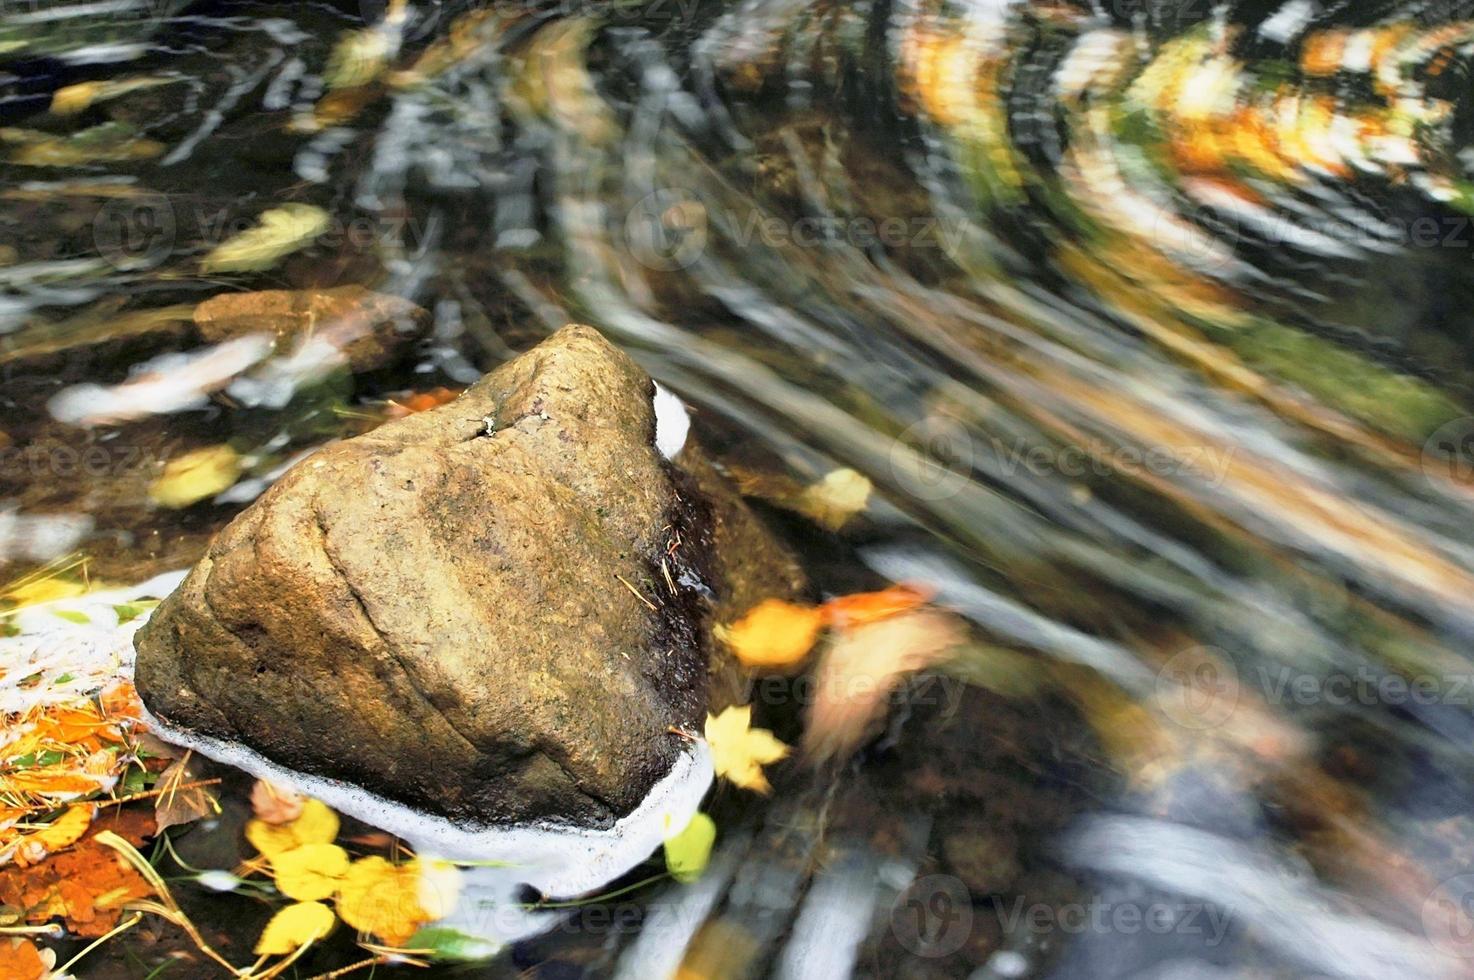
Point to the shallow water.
(1148, 321)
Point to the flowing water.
(1148, 320)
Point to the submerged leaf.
(194, 476)
(274, 804)
(293, 927)
(867, 607)
(840, 495)
(775, 634)
(281, 232)
(739, 751)
(863, 666)
(442, 943)
(688, 852)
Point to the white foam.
(558, 861)
(672, 422)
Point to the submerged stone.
(496, 612)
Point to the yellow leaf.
(62, 832)
(281, 232)
(294, 927)
(739, 751)
(44, 590)
(775, 634)
(835, 499)
(357, 59)
(195, 476)
(688, 852)
(311, 872)
(316, 825)
(377, 897)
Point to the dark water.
(1148, 321)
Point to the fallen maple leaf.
(294, 927)
(739, 751)
(774, 634)
(860, 669)
(867, 607)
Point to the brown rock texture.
(444, 610)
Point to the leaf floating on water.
(385, 900)
(294, 927)
(21, 960)
(281, 231)
(774, 634)
(310, 873)
(832, 501)
(70, 100)
(179, 802)
(274, 804)
(61, 833)
(317, 825)
(863, 666)
(739, 751)
(689, 852)
(106, 143)
(441, 943)
(869, 607)
(195, 476)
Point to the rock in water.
(495, 611)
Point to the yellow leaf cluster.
(373, 895)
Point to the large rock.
(444, 611)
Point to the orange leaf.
(421, 401)
(86, 885)
(775, 634)
(867, 607)
(20, 959)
